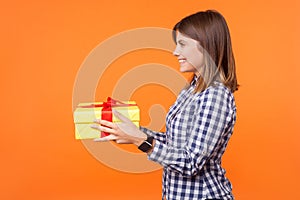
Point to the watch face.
(146, 145)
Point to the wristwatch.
(147, 144)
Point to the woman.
(201, 121)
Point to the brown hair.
(210, 29)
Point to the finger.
(120, 116)
(123, 142)
(105, 139)
(97, 121)
(102, 128)
(104, 122)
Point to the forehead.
(182, 37)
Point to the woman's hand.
(123, 132)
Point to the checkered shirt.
(198, 128)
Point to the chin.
(185, 70)
(182, 69)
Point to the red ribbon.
(106, 113)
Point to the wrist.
(138, 141)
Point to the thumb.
(105, 139)
(120, 116)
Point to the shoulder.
(216, 94)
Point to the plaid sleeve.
(160, 136)
(208, 126)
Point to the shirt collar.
(194, 80)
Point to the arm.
(209, 125)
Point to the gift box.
(86, 113)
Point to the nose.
(176, 52)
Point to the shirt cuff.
(157, 135)
(158, 153)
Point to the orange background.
(43, 44)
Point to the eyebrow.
(181, 41)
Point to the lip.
(181, 60)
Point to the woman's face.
(189, 56)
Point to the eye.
(182, 44)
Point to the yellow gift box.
(86, 113)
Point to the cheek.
(187, 53)
(195, 57)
